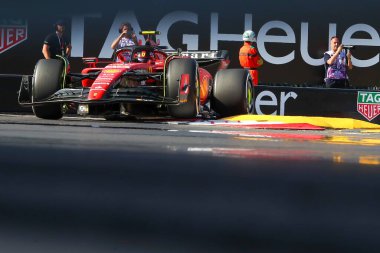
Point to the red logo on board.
(12, 33)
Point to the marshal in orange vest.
(249, 57)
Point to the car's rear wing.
(205, 58)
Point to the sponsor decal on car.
(368, 104)
(200, 55)
(111, 71)
(184, 88)
(12, 33)
(116, 66)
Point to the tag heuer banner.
(369, 104)
(12, 32)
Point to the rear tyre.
(232, 92)
(47, 79)
(176, 68)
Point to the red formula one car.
(141, 80)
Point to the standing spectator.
(249, 57)
(126, 38)
(56, 43)
(337, 62)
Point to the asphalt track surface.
(89, 185)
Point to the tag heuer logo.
(369, 104)
(12, 33)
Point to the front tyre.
(232, 92)
(47, 79)
(176, 68)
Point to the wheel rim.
(249, 96)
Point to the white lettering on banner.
(172, 18)
(216, 36)
(14, 35)
(77, 33)
(259, 101)
(268, 98)
(11, 36)
(121, 17)
(363, 95)
(284, 98)
(375, 41)
(20, 33)
(304, 47)
(191, 40)
(263, 36)
(305, 44)
(370, 97)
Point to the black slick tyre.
(47, 80)
(232, 92)
(176, 68)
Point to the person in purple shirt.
(126, 38)
(337, 63)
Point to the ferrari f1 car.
(142, 79)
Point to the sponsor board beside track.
(12, 33)
(317, 102)
(368, 104)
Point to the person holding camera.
(56, 43)
(337, 63)
(126, 38)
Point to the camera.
(348, 47)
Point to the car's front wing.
(80, 96)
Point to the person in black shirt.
(56, 43)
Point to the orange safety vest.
(250, 59)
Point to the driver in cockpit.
(143, 56)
